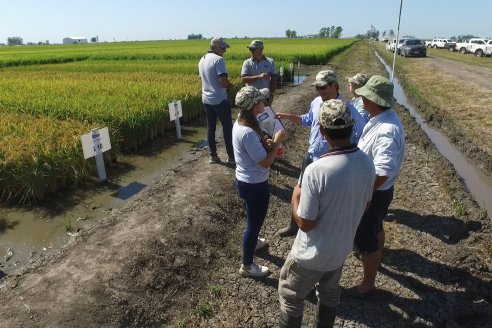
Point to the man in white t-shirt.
(335, 192)
(215, 83)
(326, 84)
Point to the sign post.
(94, 144)
(291, 67)
(175, 112)
(281, 75)
(298, 68)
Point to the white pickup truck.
(476, 46)
(439, 43)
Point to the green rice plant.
(205, 310)
(216, 291)
(68, 225)
(459, 208)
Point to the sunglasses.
(322, 88)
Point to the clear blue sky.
(124, 20)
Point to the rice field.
(124, 86)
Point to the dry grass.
(463, 102)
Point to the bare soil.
(465, 72)
(170, 258)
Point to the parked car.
(479, 47)
(440, 43)
(390, 46)
(413, 47)
(398, 47)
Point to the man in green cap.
(259, 70)
(383, 139)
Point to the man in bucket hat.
(335, 192)
(326, 84)
(355, 82)
(258, 70)
(383, 140)
(215, 82)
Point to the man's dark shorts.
(371, 224)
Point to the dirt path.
(170, 257)
(481, 76)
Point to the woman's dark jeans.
(256, 197)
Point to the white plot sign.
(175, 112)
(95, 142)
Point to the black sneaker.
(214, 160)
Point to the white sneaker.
(254, 270)
(261, 243)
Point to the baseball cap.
(218, 42)
(379, 90)
(334, 114)
(255, 44)
(248, 97)
(265, 92)
(360, 79)
(325, 77)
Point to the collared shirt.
(383, 139)
(317, 143)
(359, 105)
(252, 67)
(210, 67)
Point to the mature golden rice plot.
(125, 86)
(132, 104)
(40, 155)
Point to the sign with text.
(175, 110)
(96, 142)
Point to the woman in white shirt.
(254, 154)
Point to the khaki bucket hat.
(378, 90)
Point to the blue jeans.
(223, 112)
(256, 196)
